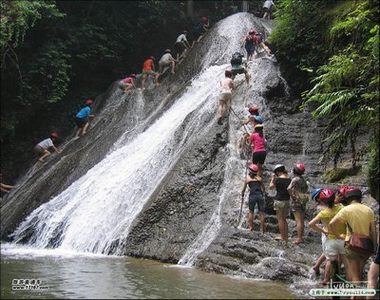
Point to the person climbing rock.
(256, 196)
(42, 148)
(332, 246)
(268, 7)
(181, 44)
(359, 221)
(249, 44)
(149, 70)
(244, 146)
(298, 191)
(258, 142)
(82, 118)
(127, 83)
(280, 181)
(237, 67)
(225, 96)
(199, 29)
(167, 60)
(253, 118)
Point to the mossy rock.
(337, 174)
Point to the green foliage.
(19, 16)
(331, 49)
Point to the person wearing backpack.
(297, 190)
(361, 238)
(236, 66)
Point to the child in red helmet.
(82, 118)
(332, 245)
(256, 196)
(41, 149)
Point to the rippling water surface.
(73, 275)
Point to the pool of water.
(75, 275)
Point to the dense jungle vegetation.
(334, 45)
(55, 54)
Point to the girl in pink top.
(258, 147)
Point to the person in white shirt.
(167, 60)
(41, 149)
(181, 44)
(225, 96)
(268, 6)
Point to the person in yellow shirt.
(332, 246)
(357, 218)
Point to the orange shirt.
(148, 65)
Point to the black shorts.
(238, 71)
(259, 157)
(81, 122)
(256, 199)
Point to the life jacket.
(236, 58)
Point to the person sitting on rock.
(280, 182)
(149, 70)
(167, 60)
(181, 44)
(237, 67)
(41, 149)
(127, 83)
(225, 96)
(82, 118)
(256, 196)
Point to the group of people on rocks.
(167, 60)
(348, 229)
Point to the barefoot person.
(297, 191)
(256, 196)
(225, 96)
(280, 182)
(82, 118)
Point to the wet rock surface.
(196, 185)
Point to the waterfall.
(99, 208)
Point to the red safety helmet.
(88, 102)
(325, 195)
(204, 19)
(299, 168)
(253, 109)
(253, 168)
(252, 31)
(352, 192)
(54, 135)
(342, 190)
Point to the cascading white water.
(99, 208)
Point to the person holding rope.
(256, 196)
(258, 143)
(225, 96)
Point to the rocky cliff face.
(191, 215)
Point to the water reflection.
(120, 277)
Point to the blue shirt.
(84, 112)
